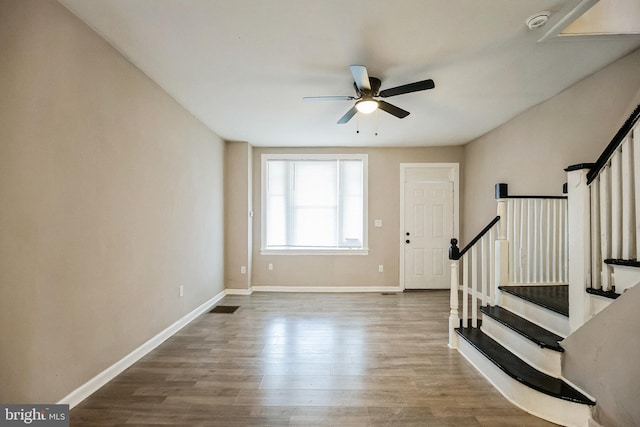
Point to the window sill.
(334, 252)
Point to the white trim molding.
(91, 386)
(239, 291)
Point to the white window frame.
(314, 251)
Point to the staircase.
(514, 295)
(522, 358)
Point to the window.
(314, 204)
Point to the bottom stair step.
(520, 370)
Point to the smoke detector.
(538, 20)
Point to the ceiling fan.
(367, 89)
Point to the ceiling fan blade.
(360, 77)
(344, 119)
(392, 109)
(328, 98)
(408, 88)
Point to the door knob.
(407, 241)
(407, 233)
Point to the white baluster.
(522, 240)
(628, 204)
(616, 204)
(549, 260)
(635, 138)
(512, 226)
(531, 239)
(596, 257)
(605, 224)
(484, 258)
(565, 239)
(454, 318)
(474, 290)
(492, 265)
(465, 291)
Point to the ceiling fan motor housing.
(375, 84)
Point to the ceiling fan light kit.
(366, 106)
(367, 88)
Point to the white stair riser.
(543, 359)
(625, 277)
(548, 319)
(552, 409)
(598, 303)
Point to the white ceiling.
(243, 66)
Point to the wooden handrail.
(613, 145)
(502, 192)
(536, 197)
(455, 253)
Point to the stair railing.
(478, 278)
(604, 217)
(525, 243)
(536, 229)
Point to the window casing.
(314, 204)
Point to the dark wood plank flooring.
(307, 360)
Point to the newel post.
(502, 244)
(579, 228)
(454, 317)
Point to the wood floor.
(307, 360)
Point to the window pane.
(314, 227)
(314, 203)
(351, 177)
(276, 221)
(352, 203)
(315, 183)
(276, 209)
(352, 222)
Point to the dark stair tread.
(552, 297)
(601, 293)
(625, 262)
(527, 329)
(519, 370)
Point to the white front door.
(428, 226)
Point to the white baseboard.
(240, 291)
(91, 386)
(327, 289)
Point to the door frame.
(454, 176)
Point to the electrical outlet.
(380, 268)
(270, 266)
(243, 269)
(378, 223)
(181, 291)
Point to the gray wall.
(384, 204)
(602, 358)
(237, 222)
(531, 151)
(111, 197)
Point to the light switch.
(378, 223)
